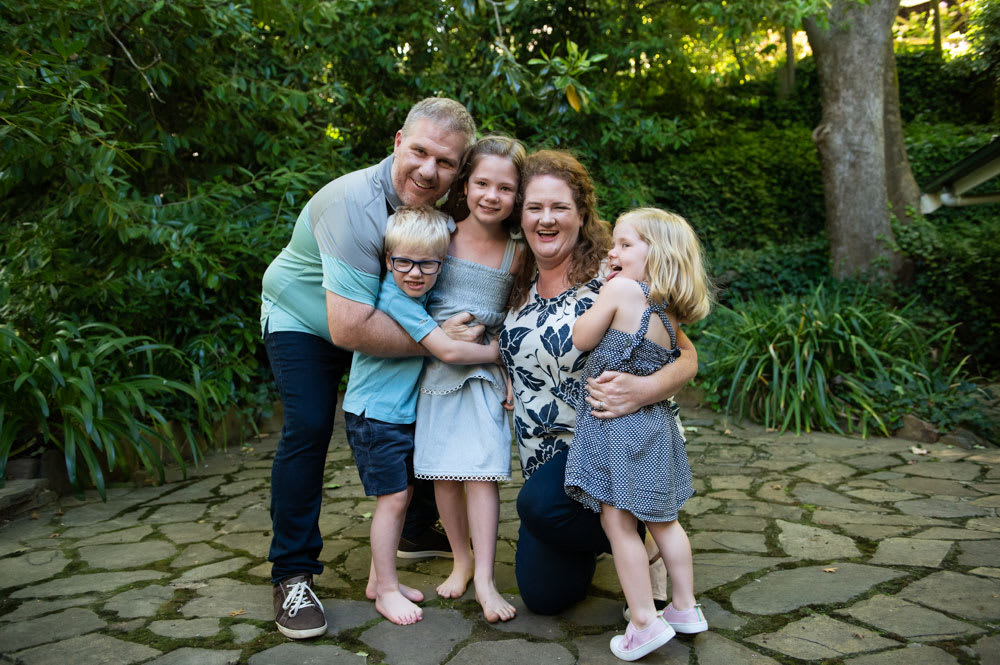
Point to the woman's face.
(550, 220)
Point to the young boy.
(380, 404)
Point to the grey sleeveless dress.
(637, 462)
(462, 431)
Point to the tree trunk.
(851, 56)
(938, 48)
(786, 80)
(904, 194)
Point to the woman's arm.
(621, 394)
(457, 352)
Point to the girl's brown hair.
(498, 146)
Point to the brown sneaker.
(297, 611)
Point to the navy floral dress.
(536, 345)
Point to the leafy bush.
(837, 358)
(745, 188)
(93, 392)
(931, 88)
(795, 267)
(956, 258)
(955, 251)
(933, 147)
(153, 196)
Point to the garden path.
(818, 548)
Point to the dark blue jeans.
(557, 543)
(308, 370)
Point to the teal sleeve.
(408, 312)
(348, 282)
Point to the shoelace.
(299, 596)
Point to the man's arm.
(360, 327)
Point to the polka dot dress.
(636, 462)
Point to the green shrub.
(791, 268)
(746, 188)
(933, 147)
(837, 358)
(931, 88)
(956, 259)
(93, 392)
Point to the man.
(317, 306)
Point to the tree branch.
(139, 69)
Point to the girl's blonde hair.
(674, 264)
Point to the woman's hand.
(614, 394)
(458, 329)
(619, 394)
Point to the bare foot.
(495, 608)
(414, 595)
(455, 585)
(398, 609)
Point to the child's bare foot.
(397, 608)
(456, 584)
(495, 607)
(408, 592)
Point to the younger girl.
(462, 439)
(636, 467)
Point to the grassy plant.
(832, 360)
(93, 392)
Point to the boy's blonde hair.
(418, 227)
(674, 263)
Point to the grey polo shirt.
(336, 246)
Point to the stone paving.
(819, 548)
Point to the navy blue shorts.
(383, 453)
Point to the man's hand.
(457, 328)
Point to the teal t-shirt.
(386, 388)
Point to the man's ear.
(399, 140)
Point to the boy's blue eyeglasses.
(403, 264)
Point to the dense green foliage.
(836, 359)
(956, 261)
(153, 157)
(93, 392)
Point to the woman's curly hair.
(595, 235)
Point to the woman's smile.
(550, 220)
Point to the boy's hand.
(457, 328)
(508, 402)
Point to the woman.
(559, 539)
